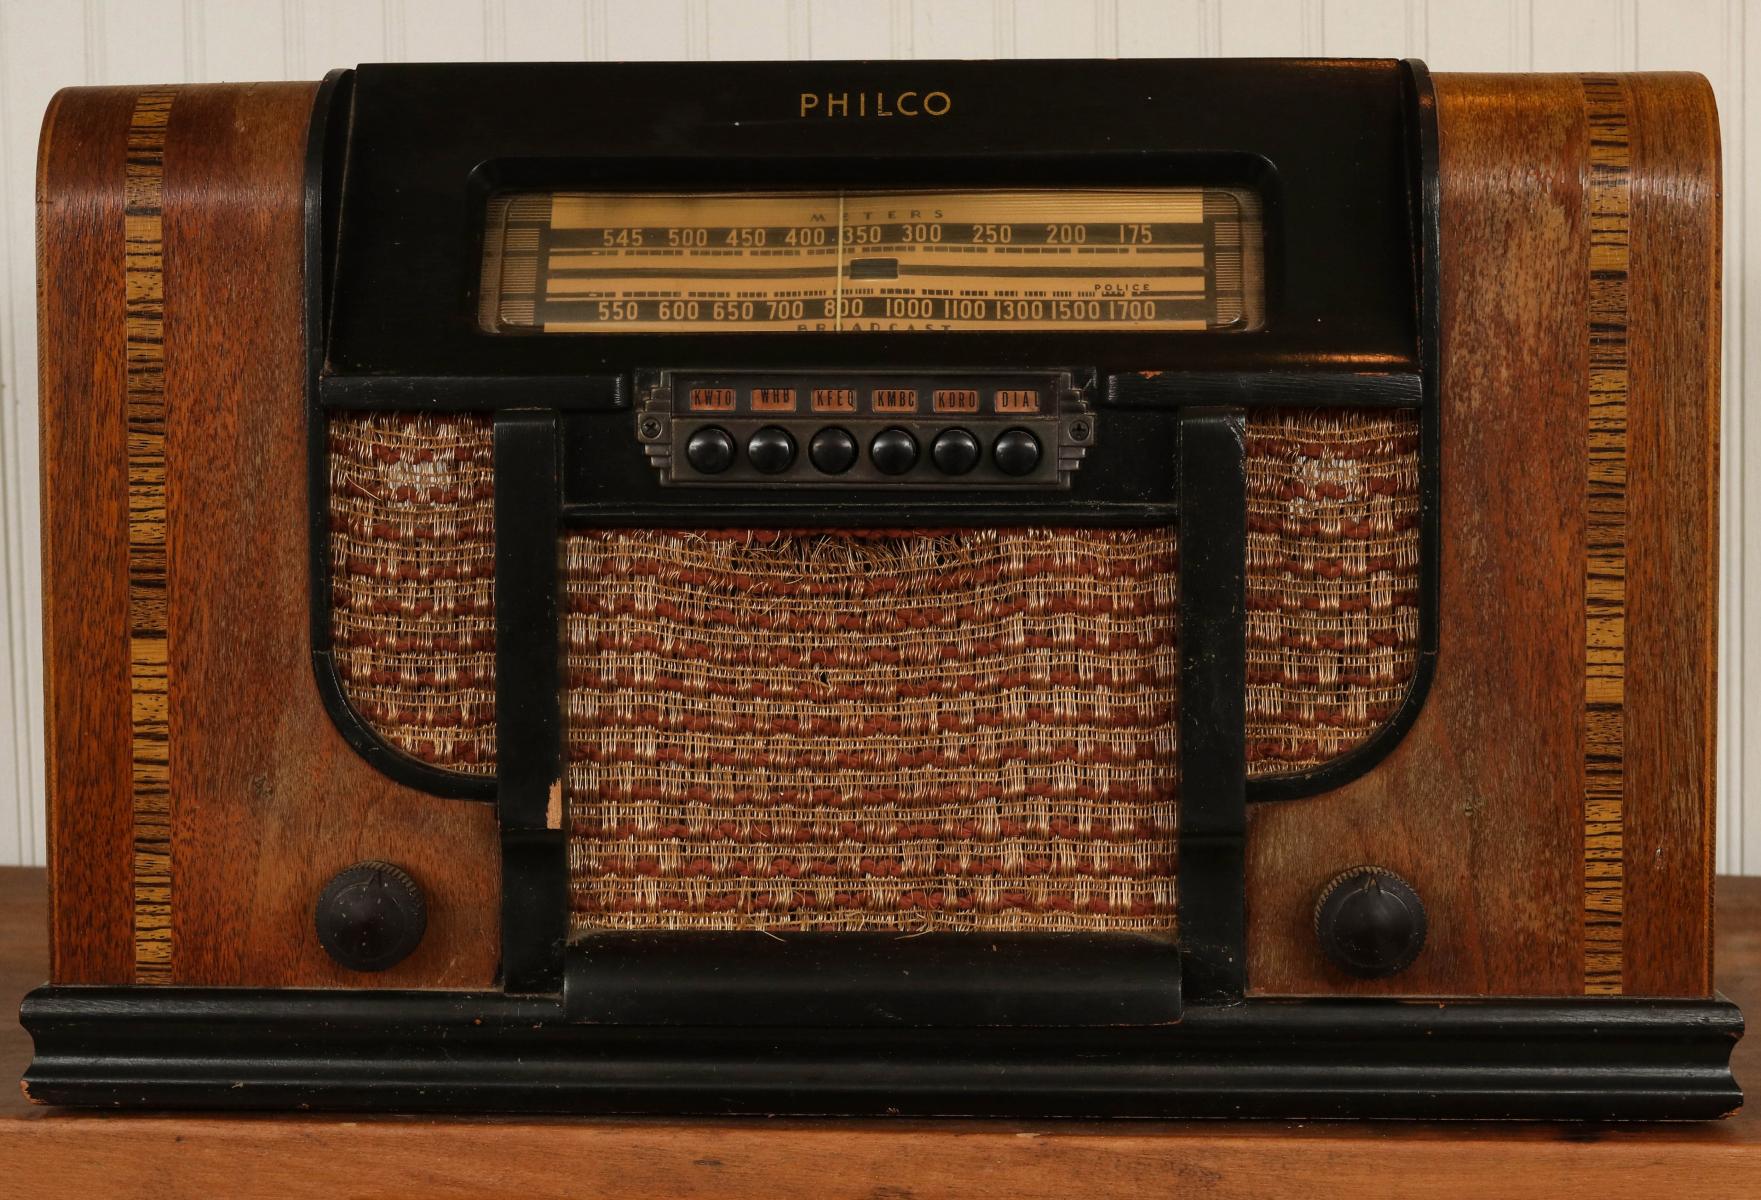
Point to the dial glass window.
(1178, 258)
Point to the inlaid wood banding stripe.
(148, 668)
(1606, 106)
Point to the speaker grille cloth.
(1332, 587)
(1332, 580)
(872, 730)
(412, 562)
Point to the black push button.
(833, 450)
(894, 451)
(955, 452)
(771, 449)
(710, 450)
(1016, 452)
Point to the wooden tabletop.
(51, 1152)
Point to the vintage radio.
(1131, 587)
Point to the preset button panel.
(864, 430)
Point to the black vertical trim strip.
(1213, 703)
(528, 699)
(534, 909)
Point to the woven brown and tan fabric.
(971, 729)
(412, 556)
(872, 730)
(1332, 580)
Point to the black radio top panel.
(411, 159)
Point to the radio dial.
(771, 450)
(710, 450)
(1016, 452)
(894, 451)
(833, 450)
(955, 452)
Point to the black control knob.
(1016, 452)
(771, 449)
(833, 450)
(1370, 922)
(370, 916)
(894, 451)
(710, 450)
(955, 452)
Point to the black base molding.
(387, 1051)
(869, 980)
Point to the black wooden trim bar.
(1213, 709)
(1122, 389)
(1264, 389)
(433, 1051)
(528, 700)
(869, 980)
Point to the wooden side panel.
(265, 799)
(268, 801)
(1558, 781)
(81, 290)
(1480, 806)
(1671, 715)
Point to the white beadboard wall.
(46, 44)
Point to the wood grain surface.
(81, 292)
(1672, 607)
(269, 800)
(50, 1153)
(1608, 196)
(149, 681)
(266, 800)
(1482, 806)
